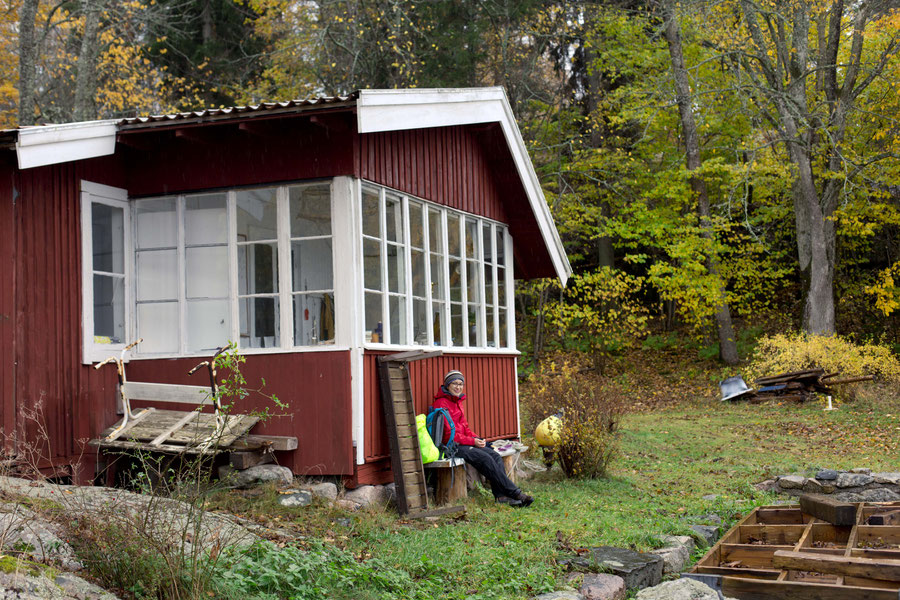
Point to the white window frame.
(479, 343)
(96, 193)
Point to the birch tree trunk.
(28, 50)
(724, 328)
(86, 76)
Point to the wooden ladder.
(400, 419)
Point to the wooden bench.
(452, 475)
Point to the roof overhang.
(50, 144)
(394, 110)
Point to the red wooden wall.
(314, 385)
(446, 165)
(490, 404)
(7, 293)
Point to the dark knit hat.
(453, 376)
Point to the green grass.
(670, 459)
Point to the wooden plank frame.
(765, 556)
(403, 437)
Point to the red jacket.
(464, 434)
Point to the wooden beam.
(758, 589)
(870, 568)
(886, 518)
(828, 509)
(280, 443)
(249, 458)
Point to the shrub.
(591, 411)
(835, 354)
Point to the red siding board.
(8, 229)
(490, 389)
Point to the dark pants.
(487, 462)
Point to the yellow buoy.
(548, 431)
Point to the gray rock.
(713, 518)
(367, 495)
(861, 470)
(679, 589)
(562, 595)
(296, 499)
(814, 486)
(766, 486)
(262, 474)
(873, 495)
(602, 586)
(344, 522)
(637, 569)
(710, 497)
(706, 533)
(34, 584)
(791, 482)
(827, 475)
(845, 480)
(346, 504)
(76, 587)
(676, 554)
(891, 478)
(23, 531)
(325, 490)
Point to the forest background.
(718, 170)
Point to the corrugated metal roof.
(212, 114)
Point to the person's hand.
(479, 443)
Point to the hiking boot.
(509, 501)
(524, 498)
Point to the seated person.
(473, 449)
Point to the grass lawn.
(670, 459)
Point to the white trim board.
(393, 110)
(52, 144)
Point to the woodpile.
(799, 385)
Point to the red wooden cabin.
(317, 234)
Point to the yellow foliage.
(783, 353)
(885, 291)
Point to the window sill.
(446, 349)
(247, 352)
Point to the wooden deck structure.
(782, 552)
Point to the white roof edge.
(50, 144)
(392, 110)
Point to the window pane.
(437, 278)
(374, 329)
(488, 284)
(503, 341)
(472, 278)
(396, 269)
(155, 223)
(310, 210)
(206, 272)
(205, 220)
(311, 265)
(501, 287)
(260, 327)
(208, 324)
(393, 216)
(486, 242)
(370, 216)
(256, 215)
(453, 234)
(257, 269)
(157, 275)
(435, 231)
(475, 325)
(456, 324)
(419, 287)
(437, 322)
(501, 248)
(420, 322)
(108, 238)
(489, 326)
(372, 264)
(109, 309)
(455, 280)
(397, 315)
(471, 232)
(157, 323)
(313, 319)
(416, 230)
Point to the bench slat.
(164, 392)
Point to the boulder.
(562, 595)
(23, 531)
(845, 480)
(827, 474)
(873, 495)
(602, 586)
(639, 570)
(791, 482)
(325, 490)
(676, 554)
(814, 486)
(296, 499)
(20, 580)
(890, 478)
(261, 474)
(706, 533)
(766, 486)
(861, 470)
(367, 495)
(679, 589)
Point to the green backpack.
(430, 452)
